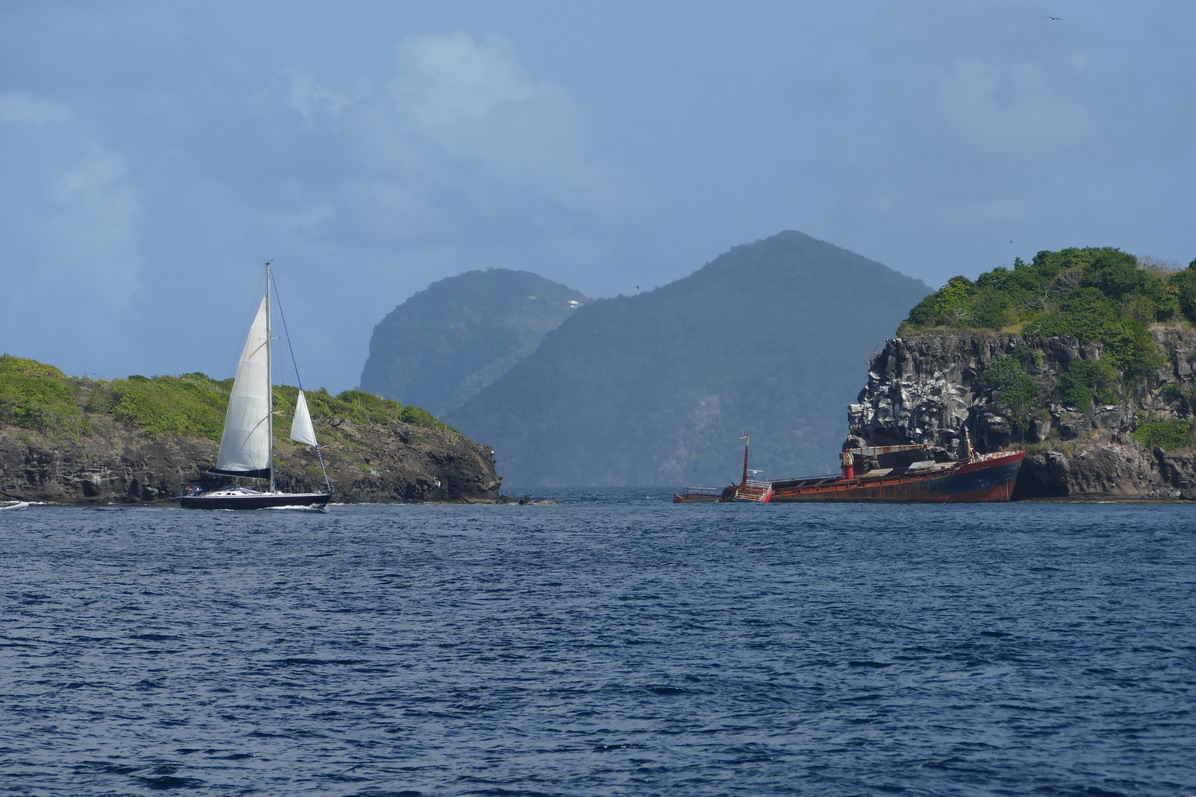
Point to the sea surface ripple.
(612, 644)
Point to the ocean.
(611, 644)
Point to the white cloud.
(90, 245)
(460, 142)
(447, 80)
(1020, 110)
(991, 85)
(88, 179)
(18, 108)
(476, 102)
(310, 99)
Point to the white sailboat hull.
(242, 498)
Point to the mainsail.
(245, 446)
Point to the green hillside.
(142, 439)
(1099, 295)
(41, 398)
(446, 343)
(771, 338)
(1094, 294)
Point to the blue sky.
(155, 153)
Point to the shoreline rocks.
(367, 463)
(925, 388)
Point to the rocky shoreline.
(367, 463)
(926, 387)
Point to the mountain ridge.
(447, 342)
(657, 388)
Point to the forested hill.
(447, 342)
(772, 338)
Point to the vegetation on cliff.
(138, 439)
(1094, 294)
(1062, 290)
(37, 396)
(40, 397)
(1098, 295)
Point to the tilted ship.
(971, 478)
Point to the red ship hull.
(988, 478)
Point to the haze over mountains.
(771, 338)
(454, 338)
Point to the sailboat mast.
(269, 380)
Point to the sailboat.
(247, 444)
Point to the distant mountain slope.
(447, 342)
(656, 389)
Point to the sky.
(155, 153)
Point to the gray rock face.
(370, 463)
(927, 388)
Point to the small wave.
(606, 748)
(667, 690)
(301, 661)
(163, 782)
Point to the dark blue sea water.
(613, 644)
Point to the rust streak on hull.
(988, 478)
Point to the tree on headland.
(1094, 294)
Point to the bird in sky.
(1055, 18)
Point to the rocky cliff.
(367, 462)
(1010, 390)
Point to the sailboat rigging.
(247, 444)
